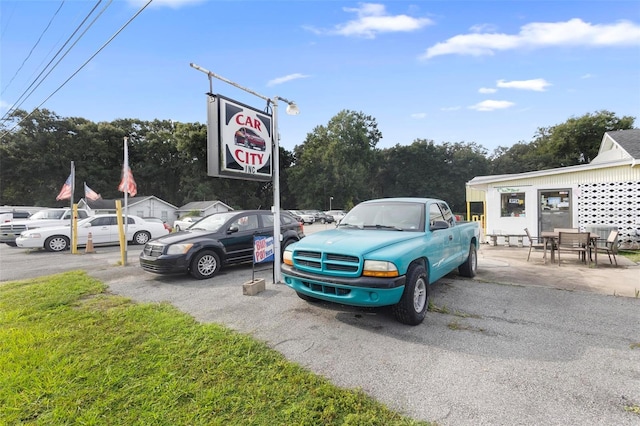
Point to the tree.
(578, 139)
(337, 160)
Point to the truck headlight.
(287, 257)
(179, 248)
(379, 268)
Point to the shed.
(598, 197)
(143, 206)
(204, 208)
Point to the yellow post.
(74, 229)
(123, 239)
(468, 211)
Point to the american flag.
(128, 184)
(90, 193)
(65, 192)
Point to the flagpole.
(126, 194)
(73, 191)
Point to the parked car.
(385, 252)
(321, 217)
(337, 214)
(307, 218)
(215, 241)
(163, 222)
(103, 228)
(185, 222)
(249, 139)
(9, 231)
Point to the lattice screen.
(612, 204)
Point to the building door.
(554, 209)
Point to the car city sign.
(239, 140)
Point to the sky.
(488, 72)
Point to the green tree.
(337, 160)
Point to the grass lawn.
(71, 353)
(632, 255)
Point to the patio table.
(550, 238)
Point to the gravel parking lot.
(490, 353)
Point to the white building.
(598, 196)
(145, 206)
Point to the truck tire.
(470, 266)
(412, 307)
(205, 265)
(56, 243)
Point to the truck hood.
(354, 241)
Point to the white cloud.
(285, 79)
(487, 90)
(453, 108)
(419, 115)
(490, 105)
(573, 32)
(373, 19)
(537, 85)
(586, 76)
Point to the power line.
(34, 47)
(81, 67)
(20, 101)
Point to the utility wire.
(20, 101)
(33, 48)
(79, 69)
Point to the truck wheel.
(205, 265)
(56, 243)
(12, 244)
(470, 266)
(412, 307)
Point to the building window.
(512, 204)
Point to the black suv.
(216, 240)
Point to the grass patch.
(73, 354)
(632, 255)
(635, 346)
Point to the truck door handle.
(450, 237)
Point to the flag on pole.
(65, 192)
(128, 184)
(90, 193)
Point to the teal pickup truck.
(384, 252)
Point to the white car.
(103, 229)
(185, 222)
(337, 214)
(307, 218)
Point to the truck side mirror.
(439, 224)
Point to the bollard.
(89, 247)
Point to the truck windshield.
(398, 216)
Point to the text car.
(216, 240)
(103, 228)
(383, 253)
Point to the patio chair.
(534, 243)
(610, 247)
(574, 242)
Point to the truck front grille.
(12, 229)
(322, 262)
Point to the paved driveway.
(489, 353)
